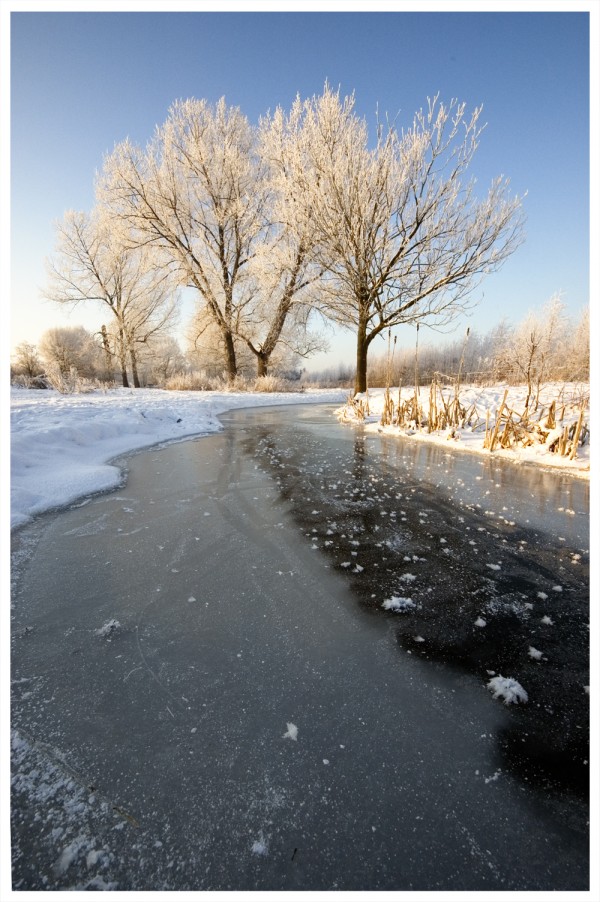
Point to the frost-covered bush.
(507, 689)
(71, 383)
(22, 380)
(269, 384)
(197, 380)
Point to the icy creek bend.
(209, 695)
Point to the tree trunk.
(262, 363)
(107, 353)
(122, 360)
(134, 369)
(362, 348)
(230, 357)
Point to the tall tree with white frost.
(283, 274)
(197, 192)
(402, 238)
(95, 262)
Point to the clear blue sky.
(81, 81)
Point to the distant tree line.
(73, 356)
(547, 345)
(280, 226)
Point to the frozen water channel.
(208, 695)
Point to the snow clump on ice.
(259, 848)
(292, 732)
(109, 628)
(399, 604)
(508, 689)
(480, 622)
(535, 653)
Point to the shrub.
(197, 380)
(23, 381)
(70, 383)
(269, 384)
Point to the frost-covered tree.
(197, 192)
(205, 348)
(533, 348)
(95, 261)
(578, 349)
(70, 348)
(401, 235)
(221, 199)
(26, 361)
(280, 317)
(283, 275)
(162, 359)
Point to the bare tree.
(402, 238)
(205, 348)
(162, 359)
(96, 262)
(27, 361)
(282, 305)
(533, 349)
(282, 272)
(578, 350)
(70, 348)
(196, 192)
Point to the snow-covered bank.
(489, 399)
(61, 445)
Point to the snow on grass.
(488, 398)
(507, 689)
(62, 445)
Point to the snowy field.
(62, 445)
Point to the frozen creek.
(207, 693)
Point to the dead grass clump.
(512, 429)
(197, 380)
